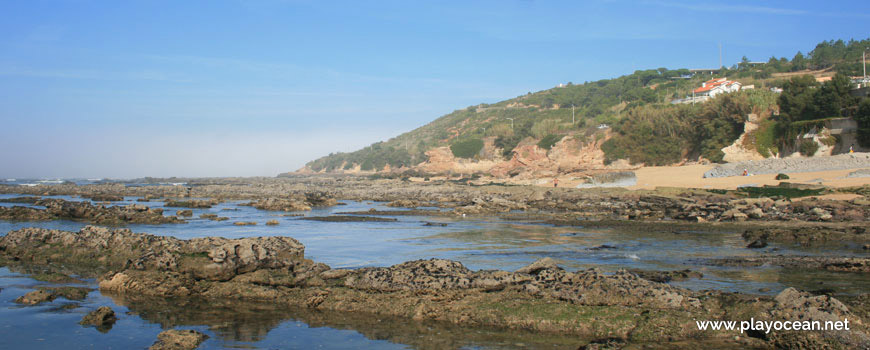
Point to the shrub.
(467, 148)
(548, 141)
(808, 148)
(545, 127)
(766, 138)
(781, 176)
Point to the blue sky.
(127, 89)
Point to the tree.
(797, 99)
(833, 97)
(799, 62)
(863, 119)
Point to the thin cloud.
(751, 9)
(730, 8)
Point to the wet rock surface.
(621, 305)
(457, 198)
(808, 235)
(83, 211)
(347, 218)
(839, 264)
(102, 318)
(193, 203)
(178, 339)
(36, 297)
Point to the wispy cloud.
(753, 9)
(713, 7)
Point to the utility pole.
(864, 60)
(572, 114)
(512, 122)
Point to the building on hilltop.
(713, 87)
(710, 89)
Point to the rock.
(105, 198)
(755, 213)
(666, 276)
(404, 203)
(70, 293)
(178, 339)
(103, 318)
(758, 243)
(441, 224)
(184, 212)
(347, 218)
(35, 297)
(821, 214)
(193, 203)
(334, 274)
(85, 211)
(209, 216)
(272, 222)
(245, 223)
(538, 265)
(867, 247)
(280, 204)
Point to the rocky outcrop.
(193, 203)
(295, 203)
(178, 339)
(102, 318)
(794, 305)
(35, 297)
(85, 211)
(208, 258)
(540, 297)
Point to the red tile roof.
(709, 85)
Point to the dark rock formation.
(102, 318)
(347, 218)
(178, 339)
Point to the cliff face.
(572, 154)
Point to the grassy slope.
(548, 112)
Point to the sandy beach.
(692, 176)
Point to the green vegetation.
(662, 135)
(765, 138)
(808, 148)
(781, 176)
(863, 119)
(759, 192)
(648, 129)
(548, 141)
(467, 148)
(844, 57)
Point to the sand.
(691, 176)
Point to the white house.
(713, 87)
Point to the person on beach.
(745, 172)
(555, 182)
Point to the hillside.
(625, 120)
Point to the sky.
(127, 89)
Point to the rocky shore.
(621, 307)
(56, 209)
(469, 198)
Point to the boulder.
(36, 297)
(178, 339)
(102, 318)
